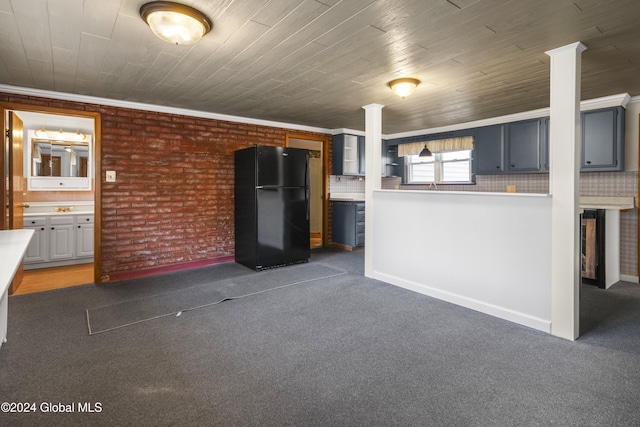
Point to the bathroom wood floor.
(316, 240)
(46, 279)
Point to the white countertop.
(13, 245)
(77, 207)
(598, 202)
(347, 197)
(466, 193)
(34, 214)
(586, 202)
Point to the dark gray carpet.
(610, 318)
(113, 316)
(345, 351)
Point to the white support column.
(565, 142)
(373, 176)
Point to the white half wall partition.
(490, 252)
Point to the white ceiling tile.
(99, 17)
(316, 62)
(92, 55)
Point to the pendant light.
(425, 152)
(175, 23)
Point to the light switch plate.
(111, 176)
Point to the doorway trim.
(325, 178)
(97, 187)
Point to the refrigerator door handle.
(306, 173)
(306, 200)
(306, 186)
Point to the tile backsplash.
(591, 184)
(524, 183)
(355, 184)
(346, 184)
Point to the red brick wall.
(172, 202)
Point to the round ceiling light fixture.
(175, 23)
(404, 87)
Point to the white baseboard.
(483, 307)
(632, 279)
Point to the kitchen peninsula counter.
(13, 245)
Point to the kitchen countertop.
(346, 197)
(13, 245)
(598, 202)
(586, 202)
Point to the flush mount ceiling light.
(404, 87)
(175, 23)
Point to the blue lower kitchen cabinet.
(348, 225)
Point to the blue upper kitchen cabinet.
(518, 147)
(392, 165)
(488, 150)
(603, 140)
(526, 146)
(348, 155)
(362, 164)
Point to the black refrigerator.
(271, 206)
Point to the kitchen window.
(453, 167)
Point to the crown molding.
(591, 104)
(634, 100)
(86, 99)
(620, 100)
(347, 131)
(534, 114)
(577, 46)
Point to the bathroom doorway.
(318, 166)
(59, 194)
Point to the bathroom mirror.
(59, 158)
(59, 163)
(58, 152)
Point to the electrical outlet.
(111, 176)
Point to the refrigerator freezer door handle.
(306, 173)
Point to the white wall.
(485, 251)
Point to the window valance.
(436, 146)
